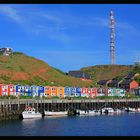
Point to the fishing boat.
(94, 112)
(54, 113)
(30, 112)
(129, 109)
(107, 110)
(118, 111)
(83, 112)
(138, 109)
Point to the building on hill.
(104, 82)
(137, 91)
(129, 85)
(80, 74)
(6, 51)
(114, 83)
(137, 63)
(131, 76)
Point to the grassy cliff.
(101, 72)
(23, 69)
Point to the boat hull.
(49, 113)
(81, 112)
(107, 110)
(30, 116)
(94, 112)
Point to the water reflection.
(98, 125)
(28, 125)
(55, 117)
(30, 122)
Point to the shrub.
(18, 53)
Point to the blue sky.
(71, 36)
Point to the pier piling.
(12, 108)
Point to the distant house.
(6, 51)
(78, 91)
(137, 91)
(22, 90)
(114, 83)
(104, 82)
(11, 90)
(60, 92)
(53, 91)
(41, 91)
(47, 91)
(129, 85)
(137, 63)
(67, 91)
(34, 90)
(80, 74)
(131, 76)
(88, 92)
(3, 89)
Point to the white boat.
(129, 109)
(107, 110)
(138, 109)
(132, 110)
(53, 113)
(91, 112)
(29, 113)
(94, 112)
(83, 112)
(118, 111)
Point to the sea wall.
(12, 108)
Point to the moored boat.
(138, 109)
(118, 111)
(107, 110)
(30, 113)
(94, 112)
(54, 113)
(83, 112)
(129, 109)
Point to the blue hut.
(78, 92)
(41, 90)
(27, 90)
(67, 91)
(19, 90)
(73, 91)
(34, 90)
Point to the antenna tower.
(112, 48)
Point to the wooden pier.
(12, 108)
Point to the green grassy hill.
(23, 69)
(101, 72)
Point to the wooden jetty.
(12, 108)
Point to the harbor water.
(124, 124)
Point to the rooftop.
(79, 74)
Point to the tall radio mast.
(112, 48)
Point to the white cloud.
(124, 29)
(125, 26)
(98, 21)
(104, 22)
(10, 12)
(54, 25)
(52, 17)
